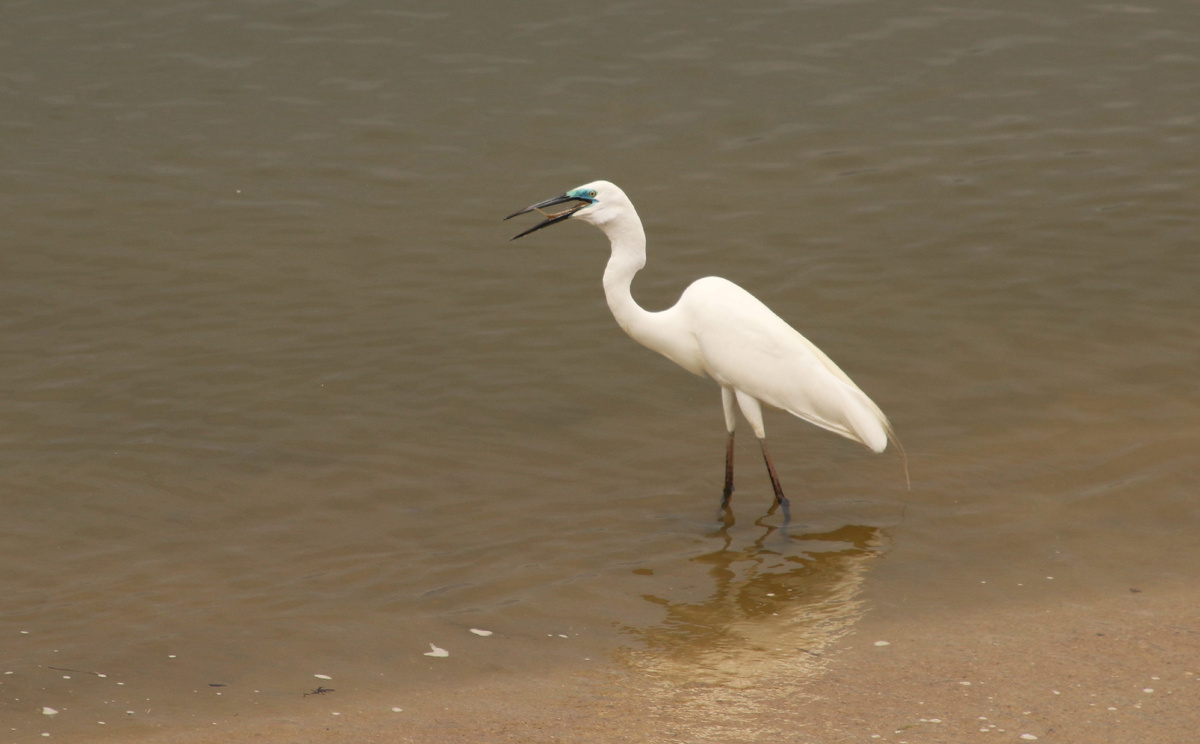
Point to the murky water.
(279, 399)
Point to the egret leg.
(753, 413)
(727, 398)
(728, 472)
(779, 497)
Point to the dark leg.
(779, 497)
(728, 472)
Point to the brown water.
(278, 398)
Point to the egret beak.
(550, 218)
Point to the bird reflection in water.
(716, 663)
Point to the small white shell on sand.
(438, 652)
(48, 711)
(397, 710)
(322, 676)
(882, 643)
(480, 632)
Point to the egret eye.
(592, 193)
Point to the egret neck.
(658, 331)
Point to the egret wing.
(747, 346)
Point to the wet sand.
(1118, 666)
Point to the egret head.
(594, 202)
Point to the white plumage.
(719, 330)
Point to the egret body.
(719, 330)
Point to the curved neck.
(659, 331)
(628, 257)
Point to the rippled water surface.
(278, 398)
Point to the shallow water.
(279, 398)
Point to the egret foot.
(727, 520)
(787, 513)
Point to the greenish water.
(278, 398)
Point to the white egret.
(719, 330)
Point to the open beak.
(550, 218)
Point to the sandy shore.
(1112, 669)
(1116, 667)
